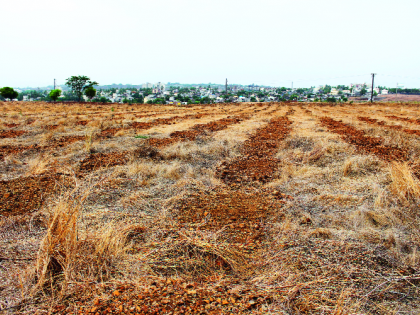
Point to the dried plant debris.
(243, 208)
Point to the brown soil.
(64, 141)
(109, 132)
(195, 131)
(240, 213)
(157, 122)
(11, 133)
(373, 121)
(171, 297)
(405, 119)
(52, 145)
(232, 248)
(399, 98)
(257, 163)
(6, 150)
(51, 127)
(98, 160)
(25, 195)
(12, 125)
(362, 142)
(82, 122)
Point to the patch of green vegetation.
(141, 137)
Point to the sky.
(264, 42)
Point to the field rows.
(232, 208)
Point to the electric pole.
(373, 81)
(54, 84)
(226, 87)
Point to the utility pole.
(226, 87)
(373, 81)
(54, 84)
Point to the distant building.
(149, 98)
(384, 92)
(334, 91)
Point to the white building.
(150, 97)
(161, 86)
(334, 91)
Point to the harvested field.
(363, 142)
(195, 131)
(255, 208)
(374, 121)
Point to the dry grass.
(39, 164)
(404, 184)
(361, 165)
(68, 254)
(347, 223)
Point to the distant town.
(183, 94)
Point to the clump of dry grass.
(121, 132)
(404, 184)
(361, 165)
(196, 254)
(367, 218)
(58, 248)
(48, 136)
(39, 165)
(89, 138)
(320, 233)
(12, 159)
(66, 254)
(148, 170)
(406, 188)
(207, 150)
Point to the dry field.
(260, 208)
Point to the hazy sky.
(274, 42)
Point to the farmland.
(253, 208)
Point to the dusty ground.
(259, 208)
(393, 98)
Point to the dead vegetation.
(278, 209)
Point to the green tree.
(79, 84)
(90, 92)
(327, 89)
(205, 100)
(363, 91)
(8, 92)
(101, 100)
(54, 94)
